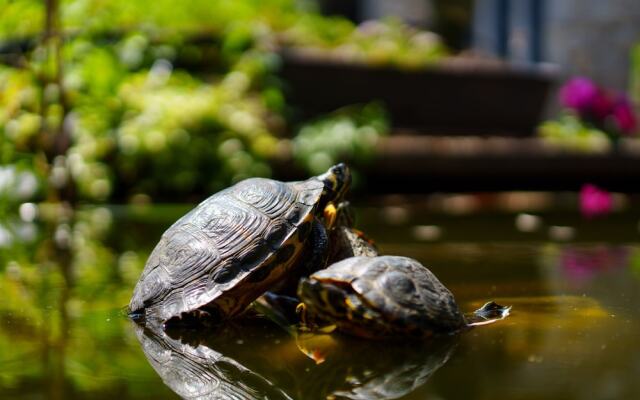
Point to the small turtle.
(387, 296)
(236, 245)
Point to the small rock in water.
(528, 222)
(562, 233)
(427, 232)
(395, 215)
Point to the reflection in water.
(61, 290)
(199, 372)
(255, 359)
(62, 337)
(396, 370)
(583, 264)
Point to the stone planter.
(452, 98)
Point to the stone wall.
(593, 38)
(584, 37)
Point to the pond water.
(572, 334)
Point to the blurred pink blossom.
(579, 94)
(597, 105)
(595, 201)
(601, 106)
(624, 117)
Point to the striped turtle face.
(336, 303)
(336, 184)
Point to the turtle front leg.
(330, 214)
(340, 214)
(318, 249)
(314, 257)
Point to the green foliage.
(17, 184)
(571, 133)
(179, 132)
(169, 101)
(347, 134)
(26, 17)
(387, 42)
(634, 78)
(21, 18)
(20, 118)
(20, 123)
(62, 294)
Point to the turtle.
(387, 297)
(237, 244)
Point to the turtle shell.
(228, 250)
(390, 294)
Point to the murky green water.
(573, 332)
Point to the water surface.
(572, 333)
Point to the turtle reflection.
(195, 371)
(369, 370)
(256, 358)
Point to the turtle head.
(336, 183)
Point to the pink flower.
(579, 94)
(594, 201)
(601, 106)
(624, 116)
(605, 110)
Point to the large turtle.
(386, 297)
(236, 245)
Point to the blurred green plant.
(388, 42)
(238, 23)
(108, 100)
(634, 78)
(62, 293)
(20, 123)
(349, 134)
(139, 125)
(21, 18)
(180, 132)
(570, 133)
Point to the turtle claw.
(202, 314)
(301, 311)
